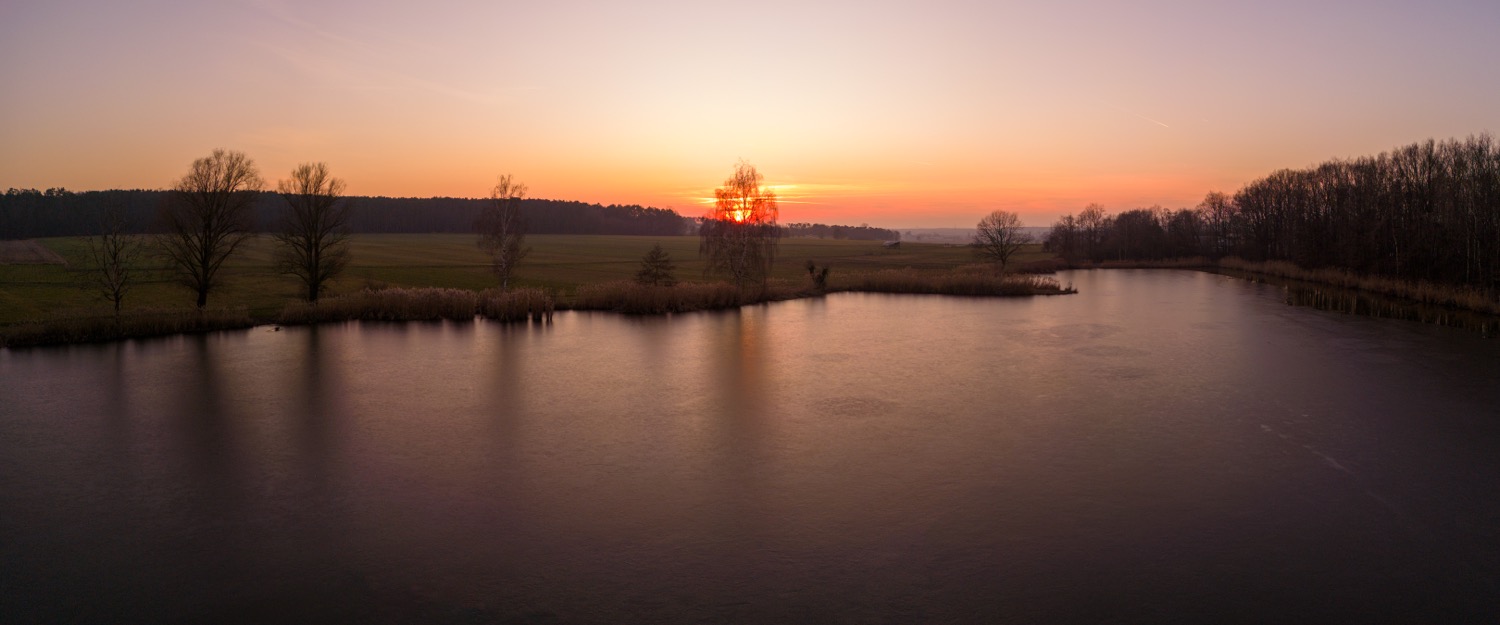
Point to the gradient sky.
(899, 114)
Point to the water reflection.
(1164, 446)
(204, 419)
(1364, 303)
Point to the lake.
(1165, 446)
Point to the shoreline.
(419, 304)
(1389, 298)
(1425, 293)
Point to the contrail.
(1135, 114)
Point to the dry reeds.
(386, 305)
(1190, 262)
(516, 305)
(647, 299)
(425, 304)
(134, 324)
(1466, 298)
(969, 281)
(1046, 265)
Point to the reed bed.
(426, 304)
(133, 324)
(630, 297)
(516, 305)
(1045, 265)
(1191, 262)
(1467, 298)
(968, 281)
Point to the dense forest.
(853, 233)
(1427, 211)
(29, 213)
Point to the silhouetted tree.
(1065, 239)
(1427, 211)
(656, 268)
(113, 254)
(739, 237)
(999, 237)
(818, 276)
(1093, 224)
(1136, 234)
(313, 231)
(207, 215)
(1184, 233)
(1218, 216)
(502, 229)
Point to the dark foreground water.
(1163, 447)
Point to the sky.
(914, 114)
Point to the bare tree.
(313, 232)
(1093, 224)
(999, 237)
(502, 229)
(208, 215)
(1063, 240)
(113, 254)
(1218, 214)
(740, 235)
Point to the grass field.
(560, 263)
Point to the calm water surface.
(1163, 447)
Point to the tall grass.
(425, 304)
(134, 324)
(971, 281)
(1190, 262)
(1467, 298)
(386, 305)
(516, 304)
(627, 296)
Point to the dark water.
(1163, 447)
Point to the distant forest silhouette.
(1427, 211)
(30, 213)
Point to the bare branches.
(313, 231)
(502, 229)
(999, 236)
(113, 254)
(739, 237)
(207, 216)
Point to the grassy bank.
(438, 276)
(972, 280)
(135, 324)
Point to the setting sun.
(680, 312)
(901, 114)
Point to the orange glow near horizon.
(901, 114)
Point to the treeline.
(1427, 211)
(28, 213)
(853, 233)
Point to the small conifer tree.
(656, 268)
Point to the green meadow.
(558, 263)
